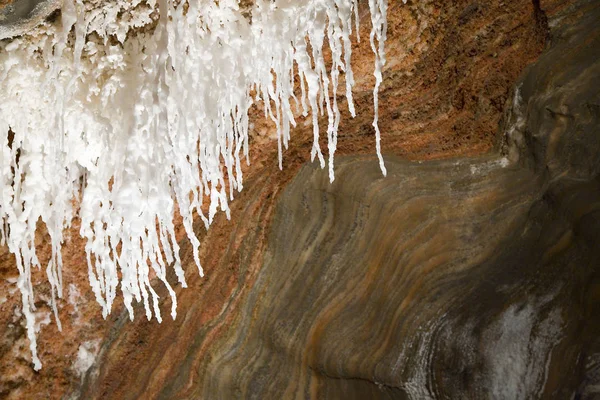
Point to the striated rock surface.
(470, 276)
(473, 277)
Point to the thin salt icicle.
(135, 122)
(379, 27)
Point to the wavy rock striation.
(465, 278)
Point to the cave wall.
(470, 271)
(467, 277)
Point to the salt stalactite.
(125, 110)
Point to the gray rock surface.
(20, 16)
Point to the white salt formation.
(122, 110)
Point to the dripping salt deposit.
(137, 116)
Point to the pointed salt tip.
(382, 166)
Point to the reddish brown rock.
(256, 320)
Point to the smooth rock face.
(383, 286)
(472, 278)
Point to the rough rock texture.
(471, 276)
(463, 278)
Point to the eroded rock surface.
(474, 275)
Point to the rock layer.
(465, 278)
(469, 277)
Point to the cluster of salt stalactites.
(132, 108)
